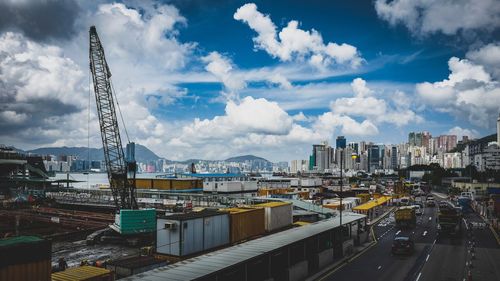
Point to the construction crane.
(119, 169)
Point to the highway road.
(433, 260)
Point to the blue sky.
(199, 79)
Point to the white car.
(418, 210)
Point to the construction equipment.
(405, 217)
(122, 188)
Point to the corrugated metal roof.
(19, 240)
(194, 215)
(214, 175)
(372, 203)
(273, 204)
(215, 261)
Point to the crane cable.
(88, 130)
(119, 109)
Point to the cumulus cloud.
(469, 92)
(366, 104)
(35, 81)
(327, 122)
(448, 17)
(45, 85)
(460, 132)
(292, 43)
(489, 57)
(249, 125)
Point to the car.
(418, 209)
(430, 197)
(402, 245)
(430, 203)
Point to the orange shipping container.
(33, 271)
(246, 223)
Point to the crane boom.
(122, 189)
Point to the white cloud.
(469, 93)
(460, 132)
(489, 57)
(441, 16)
(221, 67)
(13, 117)
(378, 110)
(293, 43)
(327, 123)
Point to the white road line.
(418, 277)
(379, 267)
(425, 233)
(426, 259)
(434, 242)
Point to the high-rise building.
(415, 139)
(446, 142)
(341, 142)
(394, 157)
(321, 157)
(354, 146)
(498, 129)
(374, 161)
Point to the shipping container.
(170, 184)
(135, 221)
(277, 215)
(134, 265)
(84, 273)
(191, 233)
(25, 258)
(246, 223)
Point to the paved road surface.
(434, 259)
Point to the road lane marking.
(418, 277)
(379, 267)
(425, 233)
(426, 259)
(399, 231)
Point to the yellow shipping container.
(246, 223)
(84, 273)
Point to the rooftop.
(215, 261)
(194, 215)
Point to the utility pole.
(341, 185)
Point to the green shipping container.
(136, 221)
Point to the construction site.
(134, 225)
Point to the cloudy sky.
(214, 79)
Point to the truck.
(405, 217)
(449, 221)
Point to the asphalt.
(433, 260)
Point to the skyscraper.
(373, 158)
(498, 129)
(341, 142)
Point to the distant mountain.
(245, 158)
(142, 153)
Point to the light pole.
(341, 160)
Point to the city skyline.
(273, 83)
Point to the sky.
(215, 79)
